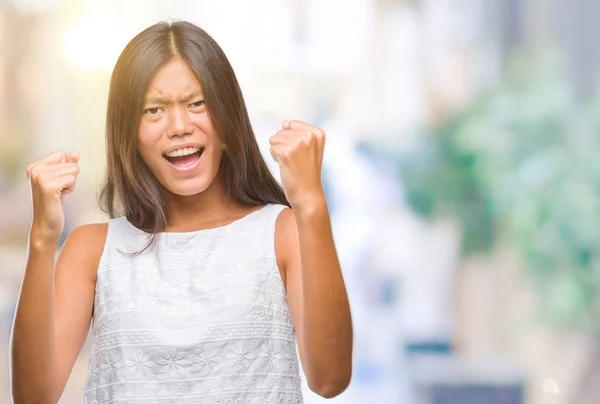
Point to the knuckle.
(35, 173)
(42, 178)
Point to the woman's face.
(177, 140)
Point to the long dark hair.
(130, 189)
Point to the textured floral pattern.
(200, 318)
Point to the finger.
(294, 137)
(46, 174)
(70, 188)
(72, 157)
(57, 170)
(63, 169)
(274, 155)
(57, 188)
(287, 136)
(52, 158)
(280, 153)
(303, 126)
(318, 132)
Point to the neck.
(209, 208)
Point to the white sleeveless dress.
(202, 317)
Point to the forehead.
(174, 78)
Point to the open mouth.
(184, 157)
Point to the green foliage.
(522, 164)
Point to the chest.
(184, 288)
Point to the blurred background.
(461, 169)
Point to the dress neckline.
(195, 232)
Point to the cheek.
(148, 132)
(203, 122)
(147, 141)
(213, 139)
(216, 156)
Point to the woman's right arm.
(55, 303)
(53, 314)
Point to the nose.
(179, 122)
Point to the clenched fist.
(298, 149)
(51, 177)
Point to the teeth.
(183, 152)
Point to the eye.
(152, 111)
(197, 104)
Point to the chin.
(189, 189)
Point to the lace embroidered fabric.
(202, 317)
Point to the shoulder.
(286, 236)
(84, 246)
(285, 223)
(89, 235)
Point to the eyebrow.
(166, 100)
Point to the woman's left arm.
(306, 253)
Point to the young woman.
(202, 281)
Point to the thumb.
(72, 157)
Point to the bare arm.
(75, 284)
(306, 252)
(33, 358)
(53, 314)
(54, 306)
(317, 297)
